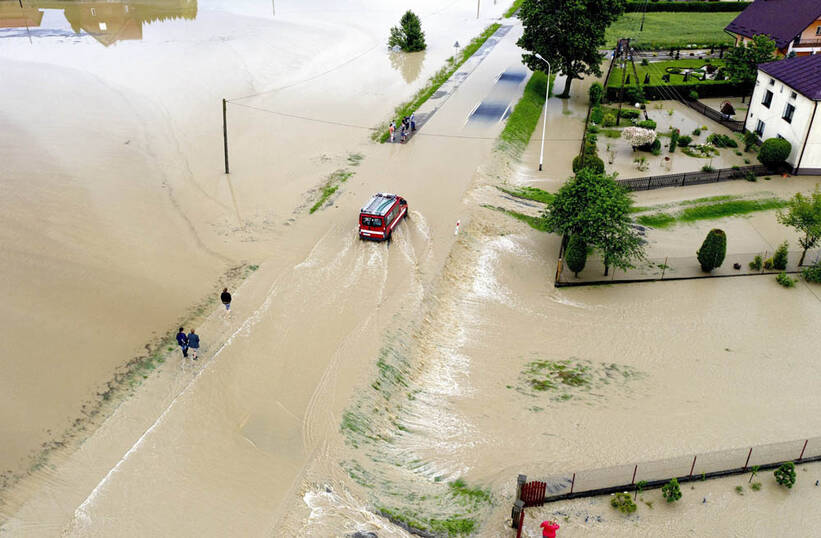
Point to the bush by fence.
(679, 268)
(641, 6)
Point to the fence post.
(516, 515)
(572, 483)
(718, 175)
(750, 453)
(803, 449)
(664, 267)
(521, 524)
(693, 466)
(520, 483)
(633, 481)
(683, 179)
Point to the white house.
(785, 104)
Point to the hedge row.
(639, 6)
(656, 93)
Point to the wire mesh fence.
(681, 268)
(685, 468)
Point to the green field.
(663, 30)
(657, 69)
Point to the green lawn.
(665, 29)
(657, 69)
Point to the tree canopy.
(742, 61)
(595, 210)
(408, 35)
(804, 214)
(567, 33)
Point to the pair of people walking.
(190, 341)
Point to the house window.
(818, 31)
(793, 95)
(788, 113)
(772, 82)
(768, 98)
(759, 128)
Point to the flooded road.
(352, 377)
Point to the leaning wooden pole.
(225, 132)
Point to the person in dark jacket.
(225, 297)
(182, 340)
(194, 343)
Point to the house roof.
(802, 73)
(782, 20)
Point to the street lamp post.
(546, 96)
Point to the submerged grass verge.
(382, 135)
(513, 8)
(332, 184)
(519, 127)
(537, 223)
(529, 193)
(710, 211)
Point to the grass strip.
(656, 70)
(513, 8)
(529, 193)
(381, 134)
(332, 184)
(525, 116)
(710, 211)
(537, 223)
(663, 30)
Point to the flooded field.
(352, 379)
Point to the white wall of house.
(774, 124)
(811, 160)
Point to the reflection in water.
(106, 21)
(408, 63)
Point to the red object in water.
(381, 215)
(549, 529)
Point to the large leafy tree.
(567, 33)
(804, 214)
(741, 62)
(594, 210)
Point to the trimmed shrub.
(593, 129)
(812, 274)
(755, 265)
(774, 151)
(780, 256)
(623, 503)
(576, 254)
(609, 120)
(712, 251)
(671, 491)
(590, 161)
(595, 93)
(785, 475)
(673, 139)
(696, 131)
(768, 264)
(597, 114)
(634, 94)
(629, 113)
(693, 95)
(785, 280)
(722, 141)
(685, 140)
(655, 147)
(647, 124)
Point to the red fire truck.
(381, 215)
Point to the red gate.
(533, 493)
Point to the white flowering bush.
(638, 136)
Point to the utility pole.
(624, 50)
(643, 13)
(477, 8)
(225, 132)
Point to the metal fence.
(693, 178)
(678, 268)
(702, 466)
(715, 115)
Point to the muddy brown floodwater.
(352, 377)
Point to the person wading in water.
(225, 297)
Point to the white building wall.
(811, 160)
(774, 123)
